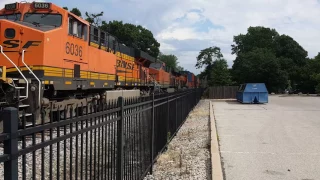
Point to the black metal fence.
(109, 140)
(222, 92)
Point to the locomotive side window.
(70, 25)
(95, 34)
(85, 32)
(77, 28)
(103, 38)
(80, 27)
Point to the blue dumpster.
(252, 93)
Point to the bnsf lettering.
(31, 43)
(15, 44)
(124, 64)
(11, 43)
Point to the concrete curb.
(216, 170)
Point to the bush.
(318, 89)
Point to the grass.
(199, 112)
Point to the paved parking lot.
(278, 140)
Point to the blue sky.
(184, 27)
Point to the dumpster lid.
(253, 87)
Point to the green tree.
(260, 65)
(207, 56)
(66, 8)
(287, 54)
(180, 68)
(134, 36)
(131, 35)
(318, 89)
(216, 68)
(94, 18)
(256, 37)
(311, 75)
(287, 47)
(170, 60)
(219, 73)
(76, 11)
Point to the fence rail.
(108, 140)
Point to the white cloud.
(193, 17)
(177, 33)
(296, 18)
(166, 47)
(175, 22)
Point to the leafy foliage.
(259, 65)
(170, 60)
(216, 68)
(207, 56)
(180, 68)
(263, 52)
(219, 74)
(256, 37)
(133, 35)
(76, 11)
(94, 18)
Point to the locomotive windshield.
(43, 19)
(13, 17)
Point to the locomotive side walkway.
(279, 140)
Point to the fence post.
(168, 120)
(152, 134)
(176, 110)
(120, 140)
(195, 97)
(10, 126)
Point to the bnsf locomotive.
(51, 55)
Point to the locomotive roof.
(134, 52)
(141, 54)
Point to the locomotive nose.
(1, 34)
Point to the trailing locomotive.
(49, 55)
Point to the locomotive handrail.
(27, 93)
(39, 98)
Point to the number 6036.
(73, 49)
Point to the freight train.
(51, 56)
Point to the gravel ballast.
(188, 154)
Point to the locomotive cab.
(25, 34)
(44, 52)
(158, 71)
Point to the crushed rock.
(188, 154)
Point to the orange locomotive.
(49, 54)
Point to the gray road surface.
(279, 140)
